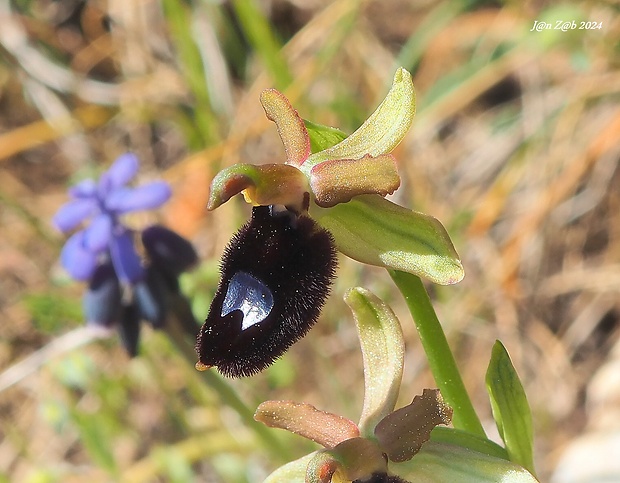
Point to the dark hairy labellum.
(276, 273)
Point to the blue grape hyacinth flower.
(122, 288)
(103, 202)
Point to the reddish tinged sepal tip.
(276, 273)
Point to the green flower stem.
(177, 330)
(438, 353)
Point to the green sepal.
(375, 231)
(510, 407)
(293, 472)
(446, 463)
(323, 137)
(383, 349)
(382, 131)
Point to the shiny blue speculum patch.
(249, 295)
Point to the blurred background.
(515, 148)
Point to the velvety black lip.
(295, 260)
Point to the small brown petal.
(290, 126)
(402, 433)
(338, 180)
(304, 419)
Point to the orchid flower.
(277, 271)
(343, 186)
(387, 445)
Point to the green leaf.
(382, 131)
(260, 34)
(375, 231)
(383, 349)
(175, 466)
(49, 311)
(96, 436)
(179, 19)
(446, 463)
(323, 137)
(510, 407)
(468, 440)
(293, 472)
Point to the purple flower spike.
(77, 259)
(104, 201)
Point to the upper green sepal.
(381, 132)
(383, 352)
(373, 230)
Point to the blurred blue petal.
(73, 213)
(120, 173)
(144, 197)
(150, 298)
(84, 189)
(101, 303)
(168, 250)
(124, 258)
(77, 259)
(129, 330)
(97, 235)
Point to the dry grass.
(515, 148)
